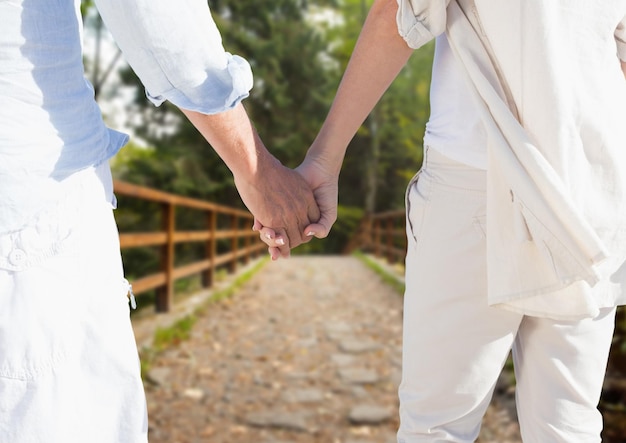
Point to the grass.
(384, 274)
(173, 335)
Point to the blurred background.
(298, 50)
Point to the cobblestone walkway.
(307, 351)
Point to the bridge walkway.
(308, 350)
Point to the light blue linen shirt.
(50, 124)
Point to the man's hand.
(279, 198)
(325, 190)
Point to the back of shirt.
(454, 127)
(561, 67)
(559, 62)
(50, 124)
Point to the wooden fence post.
(247, 243)
(377, 237)
(165, 293)
(234, 242)
(389, 242)
(211, 248)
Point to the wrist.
(325, 157)
(257, 166)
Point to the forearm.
(623, 67)
(378, 57)
(277, 196)
(233, 137)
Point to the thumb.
(316, 230)
(321, 229)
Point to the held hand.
(325, 189)
(277, 244)
(277, 196)
(281, 199)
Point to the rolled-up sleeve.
(419, 21)
(176, 50)
(620, 38)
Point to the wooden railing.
(243, 244)
(383, 234)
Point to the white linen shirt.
(548, 85)
(50, 124)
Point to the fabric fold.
(554, 227)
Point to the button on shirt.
(546, 81)
(50, 124)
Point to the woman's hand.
(325, 187)
(325, 190)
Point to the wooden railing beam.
(166, 239)
(384, 234)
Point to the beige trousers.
(455, 345)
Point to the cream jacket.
(552, 96)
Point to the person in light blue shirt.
(68, 360)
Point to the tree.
(297, 63)
(98, 76)
(387, 150)
(287, 103)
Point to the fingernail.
(268, 236)
(280, 241)
(310, 234)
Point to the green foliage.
(619, 340)
(400, 118)
(387, 276)
(292, 88)
(85, 5)
(297, 64)
(403, 113)
(287, 103)
(180, 331)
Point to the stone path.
(309, 350)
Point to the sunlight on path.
(309, 350)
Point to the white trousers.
(69, 368)
(455, 345)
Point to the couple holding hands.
(516, 221)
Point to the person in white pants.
(516, 222)
(69, 369)
(455, 345)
